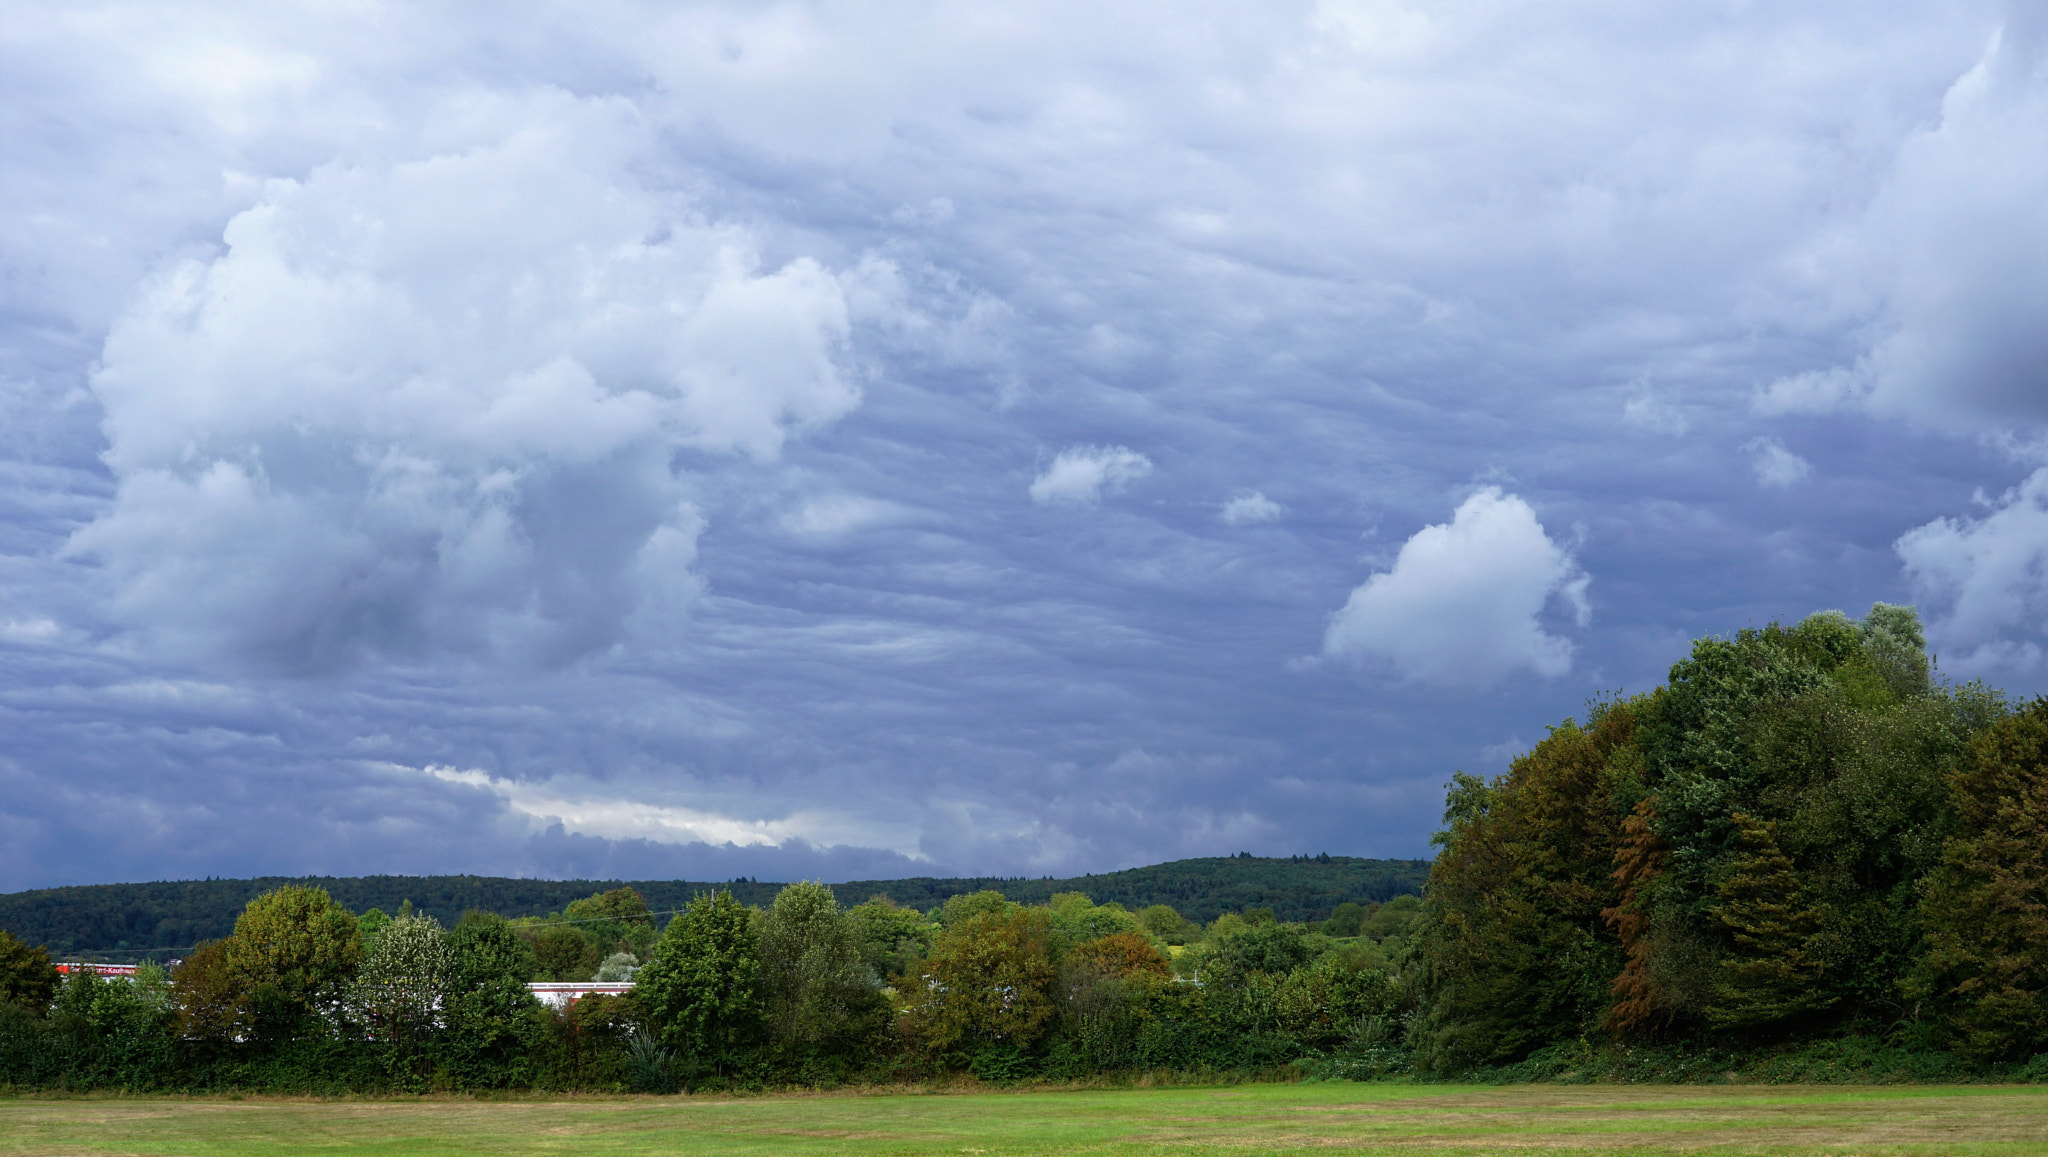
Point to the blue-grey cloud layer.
(795, 440)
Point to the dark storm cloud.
(799, 441)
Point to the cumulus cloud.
(1250, 507)
(1081, 475)
(1955, 245)
(1985, 580)
(1461, 604)
(505, 372)
(434, 402)
(1775, 465)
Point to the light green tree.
(1076, 918)
(617, 968)
(291, 959)
(819, 996)
(398, 990)
(894, 939)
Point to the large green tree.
(1987, 902)
(701, 987)
(491, 1022)
(822, 1002)
(290, 960)
(617, 920)
(1796, 795)
(1517, 951)
(987, 983)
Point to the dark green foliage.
(822, 1006)
(116, 1034)
(27, 978)
(1347, 919)
(649, 1067)
(894, 940)
(591, 1038)
(701, 988)
(490, 1022)
(1324, 1006)
(1987, 901)
(165, 920)
(564, 952)
(1396, 917)
(1797, 779)
(616, 921)
(1228, 961)
(1782, 941)
(1797, 837)
(1517, 950)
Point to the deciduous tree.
(821, 998)
(291, 958)
(987, 983)
(1987, 902)
(27, 978)
(701, 986)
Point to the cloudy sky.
(872, 439)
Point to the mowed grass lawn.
(1315, 1118)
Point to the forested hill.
(122, 921)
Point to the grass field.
(1544, 1119)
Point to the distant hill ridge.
(125, 921)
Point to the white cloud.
(432, 402)
(617, 818)
(1774, 464)
(1335, 248)
(31, 632)
(582, 812)
(1953, 248)
(1646, 411)
(1081, 475)
(1814, 391)
(1985, 580)
(1461, 604)
(1250, 507)
(834, 515)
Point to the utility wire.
(543, 924)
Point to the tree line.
(129, 922)
(1800, 837)
(307, 996)
(1801, 841)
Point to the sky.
(863, 440)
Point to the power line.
(542, 924)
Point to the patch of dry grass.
(1317, 1118)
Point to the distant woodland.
(130, 922)
(1803, 856)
